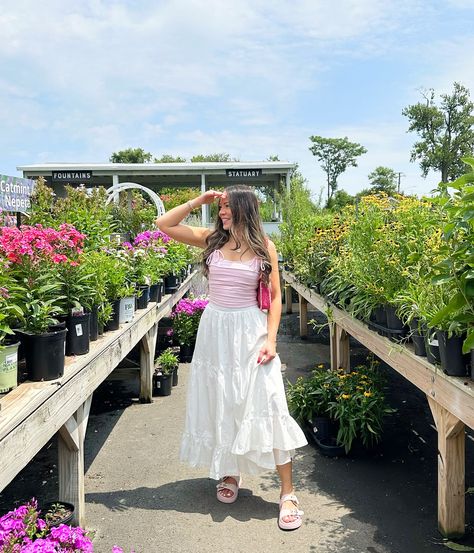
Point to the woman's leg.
(286, 479)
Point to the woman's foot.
(228, 489)
(290, 517)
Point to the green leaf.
(456, 303)
(468, 343)
(442, 279)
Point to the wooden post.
(147, 364)
(303, 303)
(288, 299)
(333, 345)
(71, 460)
(451, 471)
(339, 347)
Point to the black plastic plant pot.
(155, 293)
(57, 512)
(186, 352)
(393, 321)
(418, 338)
(330, 448)
(175, 377)
(472, 364)
(94, 324)
(77, 339)
(322, 428)
(380, 315)
(162, 384)
(114, 322)
(432, 347)
(453, 362)
(171, 284)
(60, 325)
(142, 299)
(44, 355)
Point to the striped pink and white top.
(232, 283)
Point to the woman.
(237, 419)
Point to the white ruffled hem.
(259, 445)
(222, 461)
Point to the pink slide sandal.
(295, 513)
(229, 487)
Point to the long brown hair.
(246, 224)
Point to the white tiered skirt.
(237, 418)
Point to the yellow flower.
(321, 366)
(368, 394)
(346, 396)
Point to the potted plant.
(117, 266)
(309, 400)
(9, 311)
(166, 363)
(354, 403)
(44, 348)
(37, 256)
(455, 266)
(57, 512)
(186, 316)
(154, 243)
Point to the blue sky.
(80, 80)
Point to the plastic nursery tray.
(388, 332)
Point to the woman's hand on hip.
(267, 352)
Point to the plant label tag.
(11, 359)
(433, 342)
(158, 384)
(79, 330)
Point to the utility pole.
(399, 177)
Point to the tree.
(166, 158)
(446, 131)
(222, 157)
(383, 179)
(340, 199)
(335, 155)
(131, 155)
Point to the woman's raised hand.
(209, 196)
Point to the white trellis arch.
(113, 192)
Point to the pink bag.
(264, 297)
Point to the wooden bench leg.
(451, 471)
(339, 348)
(147, 364)
(303, 308)
(288, 299)
(71, 460)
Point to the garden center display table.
(451, 399)
(33, 412)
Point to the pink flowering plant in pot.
(36, 257)
(153, 243)
(25, 530)
(186, 316)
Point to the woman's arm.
(268, 350)
(170, 222)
